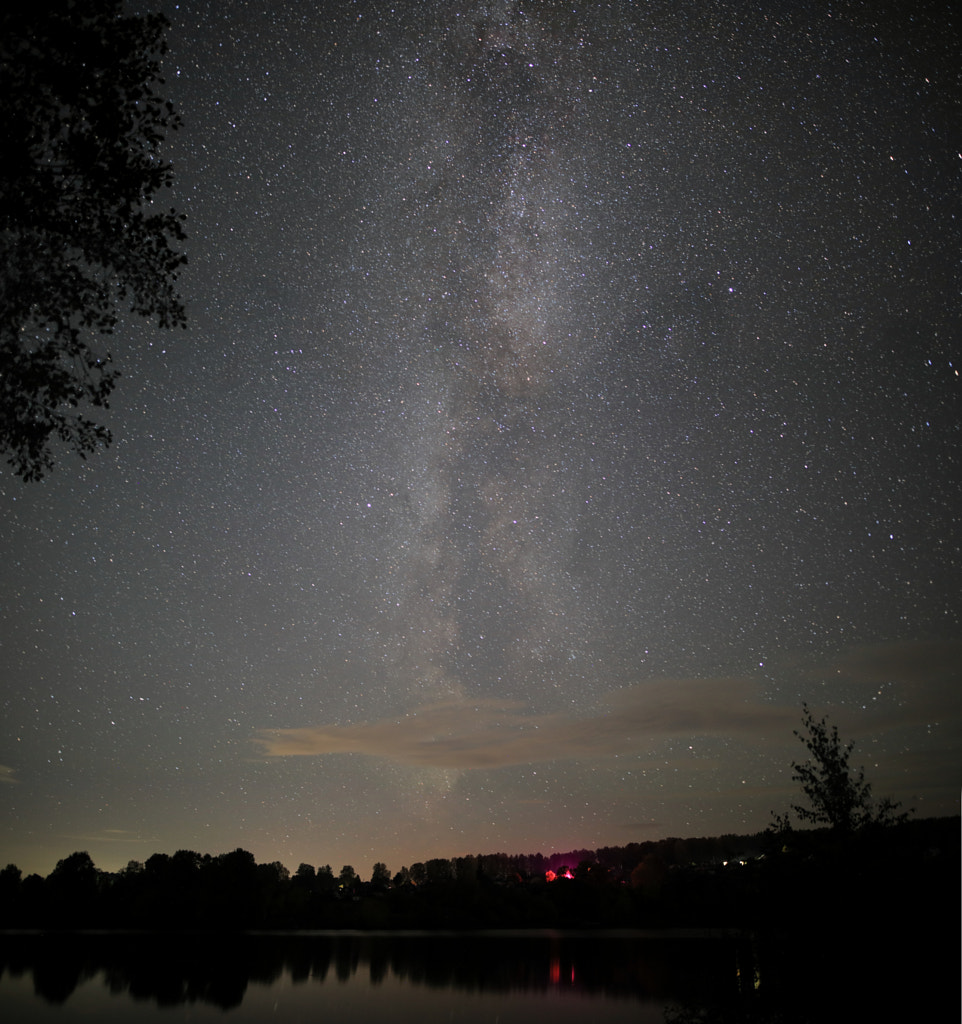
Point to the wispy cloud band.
(493, 735)
(634, 720)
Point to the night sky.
(569, 393)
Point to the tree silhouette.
(305, 875)
(73, 887)
(326, 883)
(81, 240)
(838, 795)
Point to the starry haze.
(570, 391)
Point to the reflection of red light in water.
(554, 972)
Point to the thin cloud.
(922, 678)
(489, 734)
(906, 683)
(8, 774)
(907, 662)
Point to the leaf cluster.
(838, 795)
(81, 235)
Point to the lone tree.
(838, 795)
(81, 121)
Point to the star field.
(569, 393)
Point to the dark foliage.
(82, 120)
(881, 878)
(838, 795)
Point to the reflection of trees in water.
(594, 964)
(825, 969)
(174, 969)
(809, 975)
(56, 979)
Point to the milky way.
(488, 264)
(569, 394)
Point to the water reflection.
(169, 970)
(806, 976)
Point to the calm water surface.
(504, 978)
(833, 973)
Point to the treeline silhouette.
(766, 880)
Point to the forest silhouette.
(773, 879)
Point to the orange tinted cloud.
(492, 735)
(920, 683)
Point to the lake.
(493, 977)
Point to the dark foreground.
(897, 879)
